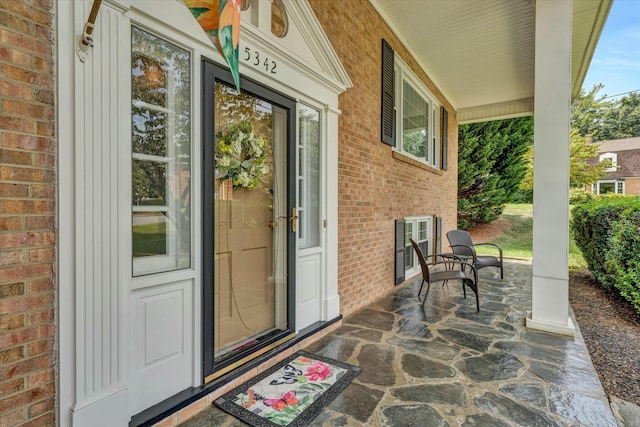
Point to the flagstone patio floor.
(444, 364)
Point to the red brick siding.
(632, 186)
(374, 187)
(27, 213)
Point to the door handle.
(294, 219)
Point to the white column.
(550, 283)
(93, 390)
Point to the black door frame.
(212, 73)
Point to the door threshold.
(248, 358)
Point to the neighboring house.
(623, 177)
(134, 272)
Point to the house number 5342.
(255, 58)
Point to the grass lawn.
(149, 239)
(515, 236)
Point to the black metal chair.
(462, 245)
(432, 272)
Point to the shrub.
(591, 227)
(622, 263)
(607, 231)
(579, 195)
(522, 196)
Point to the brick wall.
(375, 187)
(632, 186)
(27, 213)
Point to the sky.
(616, 61)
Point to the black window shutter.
(445, 138)
(399, 251)
(388, 96)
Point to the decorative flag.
(220, 19)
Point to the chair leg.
(427, 294)
(421, 285)
(501, 273)
(474, 288)
(464, 291)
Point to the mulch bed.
(611, 330)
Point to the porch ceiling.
(481, 54)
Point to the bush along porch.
(607, 231)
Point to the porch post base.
(110, 409)
(568, 329)
(331, 307)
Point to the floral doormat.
(291, 393)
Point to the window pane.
(309, 170)
(422, 231)
(434, 139)
(424, 247)
(149, 180)
(408, 257)
(149, 234)
(408, 232)
(149, 79)
(149, 130)
(161, 154)
(415, 122)
(607, 187)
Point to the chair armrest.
(445, 255)
(491, 244)
(448, 258)
(449, 265)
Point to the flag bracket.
(86, 39)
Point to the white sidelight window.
(161, 154)
(308, 177)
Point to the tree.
(490, 167)
(587, 112)
(597, 119)
(593, 116)
(622, 119)
(582, 170)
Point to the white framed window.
(420, 229)
(417, 117)
(608, 187)
(309, 157)
(160, 153)
(614, 161)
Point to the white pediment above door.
(305, 45)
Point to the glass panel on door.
(250, 222)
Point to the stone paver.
(446, 365)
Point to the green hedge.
(607, 231)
